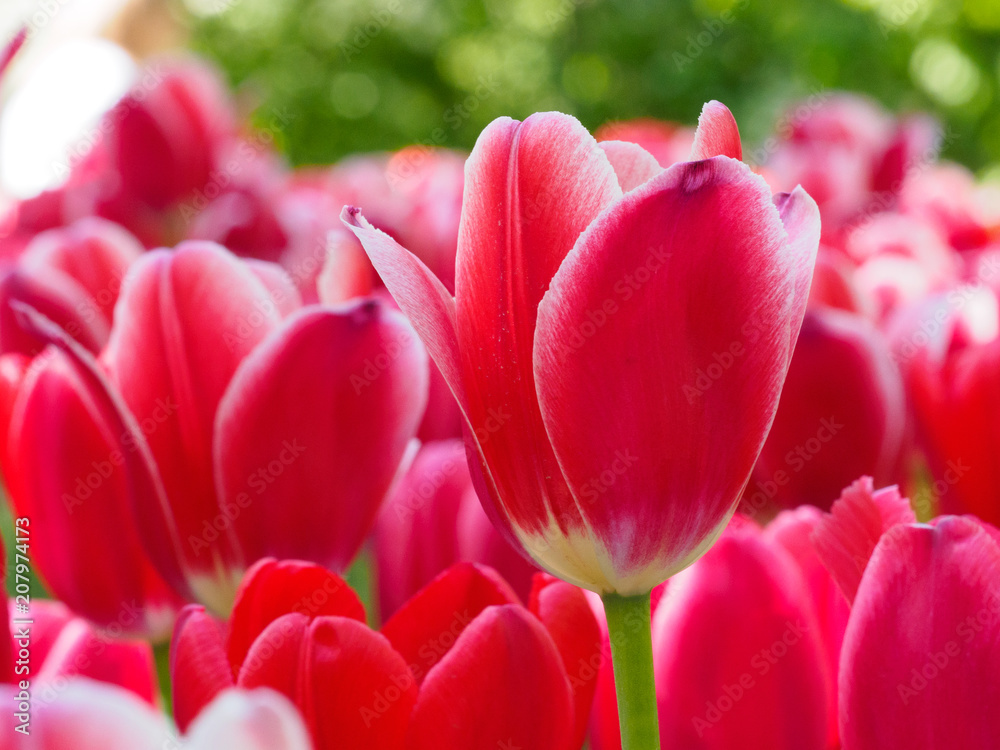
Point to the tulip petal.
(419, 294)
(717, 134)
(10, 49)
(276, 658)
(199, 669)
(566, 614)
(69, 417)
(800, 217)
(426, 626)
(356, 691)
(922, 650)
(283, 292)
(271, 589)
(87, 715)
(184, 322)
(849, 533)
(692, 273)
(502, 685)
(531, 188)
(736, 653)
(312, 429)
(633, 164)
(79, 650)
(249, 720)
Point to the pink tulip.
(842, 414)
(93, 716)
(167, 133)
(737, 652)
(922, 649)
(61, 646)
(431, 520)
(71, 275)
(231, 424)
(950, 346)
(666, 142)
(590, 443)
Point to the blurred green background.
(363, 76)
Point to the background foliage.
(362, 75)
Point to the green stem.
(632, 653)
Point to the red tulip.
(167, 134)
(461, 665)
(92, 716)
(842, 414)
(71, 275)
(951, 351)
(433, 519)
(946, 194)
(589, 440)
(72, 469)
(922, 649)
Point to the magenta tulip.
(580, 315)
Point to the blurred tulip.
(73, 470)
(234, 425)
(738, 656)
(462, 648)
(61, 646)
(922, 648)
(165, 142)
(946, 195)
(72, 276)
(571, 463)
(279, 436)
(842, 414)
(8, 51)
(666, 142)
(433, 519)
(951, 350)
(89, 715)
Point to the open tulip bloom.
(617, 342)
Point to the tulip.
(165, 143)
(590, 445)
(951, 351)
(234, 425)
(842, 414)
(88, 715)
(69, 471)
(738, 655)
(793, 531)
(666, 142)
(463, 641)
(433, 519)
(922, 648)
(72, 275)
(62, 646)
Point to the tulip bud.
(592, 445)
